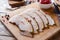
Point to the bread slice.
(34, 24)
(23, 25)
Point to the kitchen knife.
(56, 9)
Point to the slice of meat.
(23, 24)
(44, 19)
(31, 12)
(50, 20)
(34, 24)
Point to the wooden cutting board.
(47, 33)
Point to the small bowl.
(46, 6)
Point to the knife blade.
(56, 9)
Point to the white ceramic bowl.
(46, 6)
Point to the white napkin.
(3, 5)
(4, 31)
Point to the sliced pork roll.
(44, 19)
(23, 24)
(34, 24)
(35, 17)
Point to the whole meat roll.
(32, 20)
